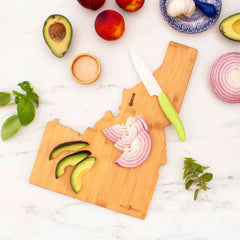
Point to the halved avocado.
(82, 167)
(230, 27)
(57, 32)
(70, 160)
(67, 146)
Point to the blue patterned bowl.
(197, 23)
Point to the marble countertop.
(212, 127)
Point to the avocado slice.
(70, 160)
(67, 146)
(57, 33)
(81, 168)
(230, 27)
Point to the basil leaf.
(4, 98)
(16, 99)
(17, 94)
(34, 97)
(25, 86)
(26, 111)
(10, 127)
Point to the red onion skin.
(220, 75)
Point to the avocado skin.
(85, 168)
(47, 38)
(66, 144)
(224, 32)
(69, 158)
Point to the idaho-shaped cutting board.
(128, 191)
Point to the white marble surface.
(212, 127)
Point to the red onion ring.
(133, 132)
(132, 139)
(137, 153)
(225, 77)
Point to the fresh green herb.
(25, 109)
(4, 98)
(10, 127)
(194, 174)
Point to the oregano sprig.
(194, 174)
(25, 109)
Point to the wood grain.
(124, 190)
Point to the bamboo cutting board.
(124, 190)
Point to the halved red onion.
(137, 153)
(133, 131)
(225, 77)
(115, 132)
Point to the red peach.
(109, 25)
(130, 5)
(92, 4)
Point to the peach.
(109, 25)
(92, 4)
(130, 5)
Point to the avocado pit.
(57, 31)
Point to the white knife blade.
(145, 75)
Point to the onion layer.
(225, 77)
(115, 132)
(132, 139)
(137, 153)
(133, 131)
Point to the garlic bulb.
(177, 8)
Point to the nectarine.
(130, 5)
(92, 4)
(109, 25)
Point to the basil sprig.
(194, 174)
(25, 109)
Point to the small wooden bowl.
(88, 61)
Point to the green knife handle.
(172, 115)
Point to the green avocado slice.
(57, 33)
(67, 146)
(230, 27)
(81, 168)
(70, 160)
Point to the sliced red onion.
(225, 77)
(115, 132)
(133, 131)
(137, 153)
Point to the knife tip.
(132, 52)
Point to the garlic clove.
(190, 8)
(178, 8)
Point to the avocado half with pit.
(57, 32)
(81, 168)
(230, 27)
(67, 146)
(70, 160)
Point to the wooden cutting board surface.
(128, 191)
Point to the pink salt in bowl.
(85, 68)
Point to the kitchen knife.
(153, 88)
